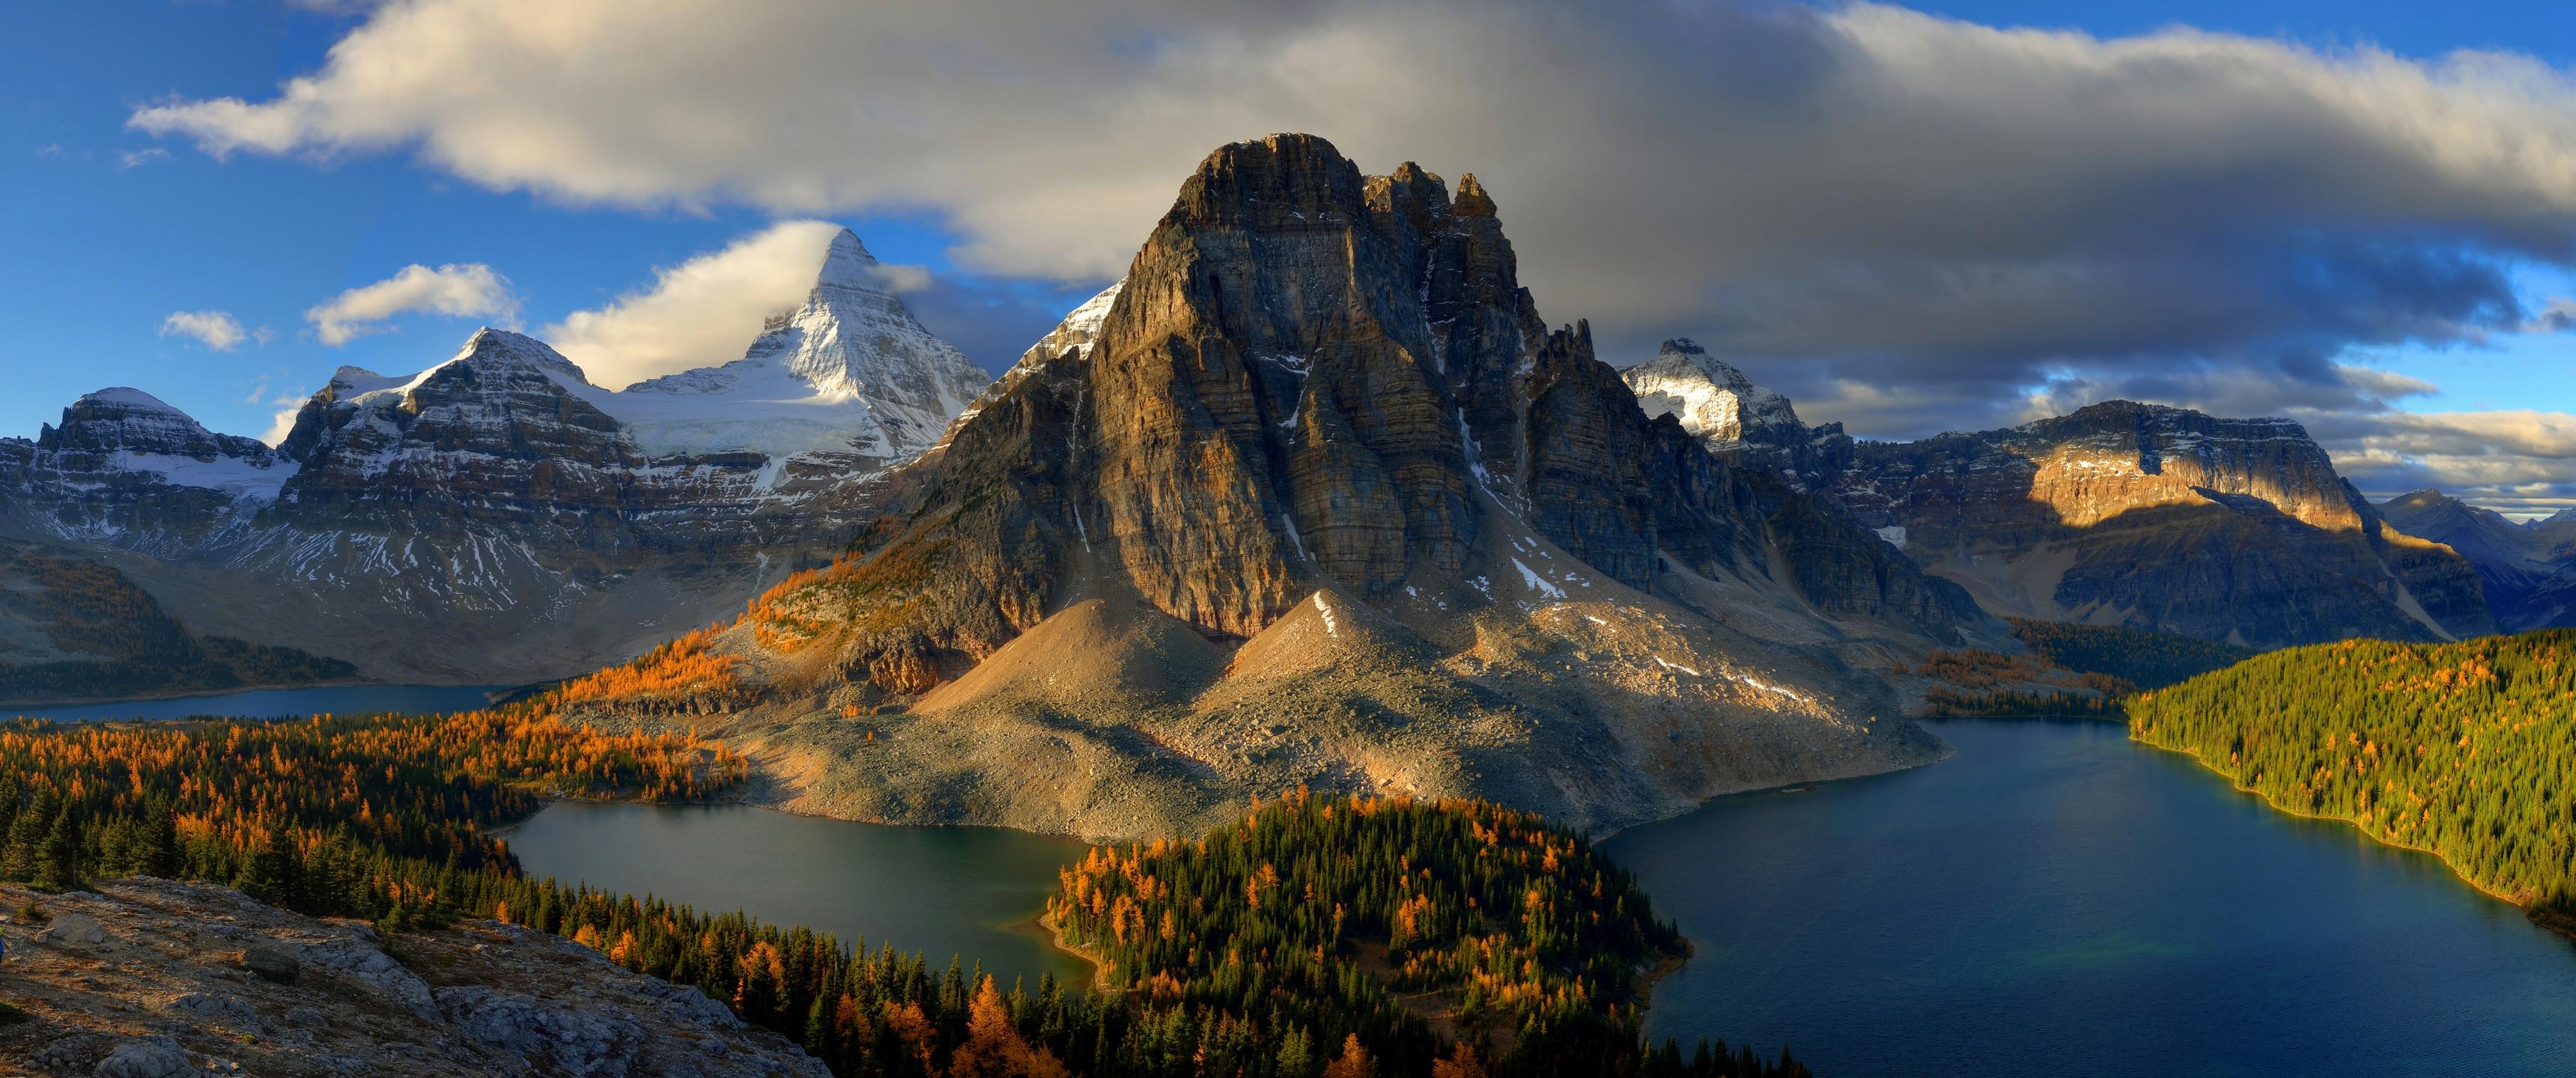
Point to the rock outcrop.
(2527, 570)
(2117, 514)
(497, 517)
(164, 984)
(1328, 503)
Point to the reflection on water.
(973, 892)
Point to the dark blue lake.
(272, 703)
(2056, 900)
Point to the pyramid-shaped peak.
(848, 265)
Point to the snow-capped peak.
(129, 397)
(1712, 399)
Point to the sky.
(2361, 215)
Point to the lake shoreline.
(228, 690)
(2558, 923)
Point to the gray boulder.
(144, 1057)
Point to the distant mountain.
(2146, 516)
(496, 517)
(2528, 571)
(72, 628)
(1314, 497)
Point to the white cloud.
(1955, 216)
(214, 329)
(470, 290)
(698, 313)
(281, 423)
(127, 159)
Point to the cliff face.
(1321, 430)
(2527, 570)
(496, 517)
(2118, 513)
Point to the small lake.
(272, 703)
(2055, 899)
(970, 892)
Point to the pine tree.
(27, 835)
(58, 865)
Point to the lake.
(972, 892)
(2055, 899)
(271, 703)
(2052, 900)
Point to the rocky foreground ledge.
(144, 978)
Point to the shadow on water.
(2055, 899)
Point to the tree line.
(2467, 750)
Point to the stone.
(146, 1057)
(374, 971)
(271, 963)
(73, 928)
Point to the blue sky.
(115, 228)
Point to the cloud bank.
(471, 290)
(1959, 218)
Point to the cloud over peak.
(470, 290)
(698, 313)
(1960, 218)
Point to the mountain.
(1320, 500)
(2119, 513)
(496, 517)
(72, 628)
(2528, 571)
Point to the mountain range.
(2526, 569)
(496, 517)
(2137, 515)
(1313, 496)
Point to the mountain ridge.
(2147, 515)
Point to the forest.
(1327, 938)
(2467, 750)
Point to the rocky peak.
(1310, 379)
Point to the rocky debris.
(565, 1040)
(160, 994)
(496, 517)
(2118, 513)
